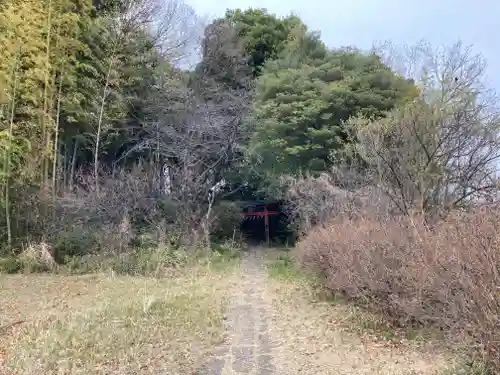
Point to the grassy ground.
(104, 324)
(342, 338)
(108, 324)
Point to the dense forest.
(135, 125)
(107, 133)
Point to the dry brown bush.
(316, 200)
(447, 276)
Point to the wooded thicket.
(106, 134)
(111, 141)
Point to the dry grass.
(103, 324)
(324, 337)
(446, 276)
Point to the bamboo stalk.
(45, 132)
(56, 139)
(8, 155)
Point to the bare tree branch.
(442, 150)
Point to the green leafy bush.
(74, 242)
(9, 265)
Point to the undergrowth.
(155, 261)
(418, 278)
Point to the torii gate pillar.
(266, 223)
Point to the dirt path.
(249, 350)
(273, 331)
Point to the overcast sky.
(362, 22)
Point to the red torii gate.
(259, 211)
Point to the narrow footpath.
(271, 330)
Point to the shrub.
(74, 242)
(317, 200)
(9, 265)
(226, 250)
(37, 258)
(145, 262)
(227, 220)
(447, 276)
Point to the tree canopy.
(94, 92)
(304, 97)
